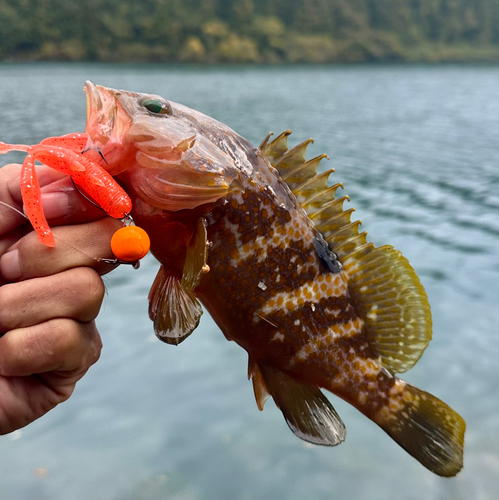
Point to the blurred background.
(415, 146)
(256, 31)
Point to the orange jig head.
(130, 243)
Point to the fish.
(260, 238)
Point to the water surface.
(416, 148)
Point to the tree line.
(249, 31)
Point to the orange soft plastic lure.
(66, 154)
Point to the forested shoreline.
(249, 31)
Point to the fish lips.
(107, 120)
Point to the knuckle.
(89, 283)
(95, 344)
(78, 345)
(31, 253)
(57, 338)
(91, 290)
(11, 170)
(29, 350)
(62, 336)
(60, 344)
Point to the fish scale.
(314, 324)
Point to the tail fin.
(428, 429)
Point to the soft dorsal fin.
(392, 302)
(388, 292)
(173, 307)
(308, 413)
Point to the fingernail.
(55, 205)
(10, 266)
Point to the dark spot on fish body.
(326, 256)
(356, 345)
(251, 220)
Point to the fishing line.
(139, 241)
(13, 208)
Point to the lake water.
(417, 149)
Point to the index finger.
(62, 204)
(76, 246)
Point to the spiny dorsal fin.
(388, 292)
(313, 186)
(265, 142)
(276, 148)
(292, 160)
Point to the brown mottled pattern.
(290, 311)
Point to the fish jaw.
(107, 127)
(168, 161)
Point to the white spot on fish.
(372, 314)
(337, 289)
(335, 332)
(262, 285)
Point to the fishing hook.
(127, 220)
(98, 150)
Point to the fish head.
(147, 141)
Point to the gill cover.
(168, 162)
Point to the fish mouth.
(107, 126)
(100, 112)
(107, 120)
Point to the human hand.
(49, 297)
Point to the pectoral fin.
(173, 307)
(308, 413)
(174, 310)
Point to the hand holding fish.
(49, 298)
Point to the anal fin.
(259, 386)
(308, 413)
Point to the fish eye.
(157, 107)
